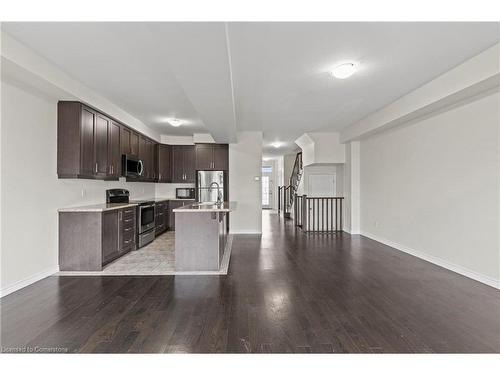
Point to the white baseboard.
(245, 232)
(495, 283)
(28, 280)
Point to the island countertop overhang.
(207, 207)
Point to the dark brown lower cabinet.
(90, 240)
(110, 236)
(161, 219)
(173, 204)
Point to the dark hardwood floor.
(285, 292)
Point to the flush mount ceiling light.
(344, 71)
(276, 144)
(175, 122)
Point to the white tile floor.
(157, 258)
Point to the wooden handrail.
(297, 166)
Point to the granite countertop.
(172, 199)
(98, 207)
(101, 207)
(207, 207)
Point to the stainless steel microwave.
(184, 193)
(132, 166)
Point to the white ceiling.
(253, 76)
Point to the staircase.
(287, 193)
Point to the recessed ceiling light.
(344, 71)
(175, 122)
(276, 144)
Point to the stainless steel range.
(145, 222)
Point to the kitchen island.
(201, 235)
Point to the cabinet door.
(101, 145)
(189, 164)
(151, 159)
(177, 164)
(164, 162)
(221, 158)
(160, 217)
(125, 134)
(134, 144)
(171, 215)
(110, 236)
(143, 155)
(166, 214)
(87, 142)
(204, 157)
(114, 149)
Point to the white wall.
(31, 193)
(351, 188)
(245, 162)
(288, 163)
(321, 148)
(432, 188)
(335, 170)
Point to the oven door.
(146, 218)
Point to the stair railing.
(318, 214)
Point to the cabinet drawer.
(129, 213)
(161, 228)
(128, 222)
(128, 240)
(128, 230)
(130, 235)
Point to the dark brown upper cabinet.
(129, 141)
(134, 144)
(183, 164)
(83, 142)
(143, 155)
(114, 151)
(212, 157)
(164, 163)
(125, 134)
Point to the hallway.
(285, 292)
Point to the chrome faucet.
(219, 195)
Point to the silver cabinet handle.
(128, 220)
(95, 167)
(128, 211)
(127, 229)
(141, 165)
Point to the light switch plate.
(257, 178)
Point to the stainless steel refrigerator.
(208, 185)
